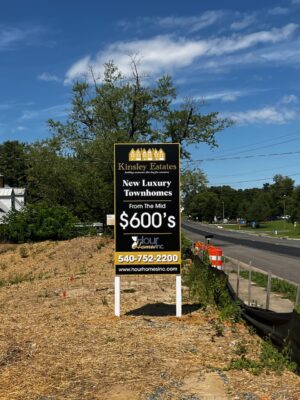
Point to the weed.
(274, 360)
(252, 330)
(3, 266)
(297, 308)
(130, 290)
(104, 301)
(19, 278)
(244, 363)
(45, 294)
(241, 349)
(83, 270)
(219, 329)
(269, 359)
(110, 339)
(23, 251)
(100, 245)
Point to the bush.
(37, 222)
(208, 287)
(186, 246)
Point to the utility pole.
(223, 211)
(284, 216)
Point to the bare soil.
(59, 338)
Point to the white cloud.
(12, 36)
(265, 115)
(193, 24)
(278, 11)
(45, 76)
(289, 99)
(189, 24)
(225, 96)
(243, 23)
(167, 53)
(5, 106)
(241, 42)
(58, 111)
(275, 54)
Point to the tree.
(202, 206)
(259, 209)
(192, 182)
(125, 108)
(13, 163)
(79, 170)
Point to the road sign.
(147, 209)
(110, 219)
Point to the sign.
(110, 219)
(147, 209)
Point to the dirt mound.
(60, 340)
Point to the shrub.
(37, 222)
(186, 245)
(208, 287)
(23, 251)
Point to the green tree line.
(272, 201)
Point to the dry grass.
(60, 340)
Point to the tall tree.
(115, 109)
(128, 109)
(13, 163)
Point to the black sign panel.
(147, 209)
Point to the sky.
(240, 58)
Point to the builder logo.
(143, 242)
(147, 155)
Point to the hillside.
(59, 338)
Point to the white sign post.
(178, 296)
(117, 296)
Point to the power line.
(255, 171)
(271, 142)
(241, 157)
(251, 180)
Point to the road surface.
(280, 256)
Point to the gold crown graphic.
(147, 155)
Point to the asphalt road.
(280, 256)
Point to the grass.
(278, 285)
(270, 359)
(16, 279)
(283, 228)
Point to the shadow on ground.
(162, 309)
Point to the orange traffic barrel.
(215, 255)
(199, 247)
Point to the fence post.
(249, 282)
(269, 286)
(298, 296)
(238, 280)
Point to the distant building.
(10, 198)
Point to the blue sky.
(242, 58)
